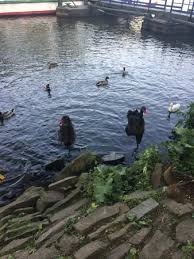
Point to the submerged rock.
(82, 163)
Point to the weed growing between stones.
(68, 227)
(188, 250)
(132, 254)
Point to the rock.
(169, 176)
(143, 208)
(119, 252)
(27, 199)
(66, 182)
(178, 255)
(120, 233)
(178, 209)
(73, 195)
(139, 195)
(14, 245)
(45, 253)
(51, 231)
(27, 210)
(173, 191)
(68, 244)
(54, 240)
(47, 199)
(55, 165)
(5, 219)
(82, 163)
(185, 231)
(93, 219)
(92, 250)
(157, 246)
(156, 176)
(69, 210)
(23, 220)
(99, 231)
(140, 236)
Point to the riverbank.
(61, 221)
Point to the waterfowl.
(136, 124)
(173, 108)
(67, 132)
(6, 115)
(103, 82)
(52, 65)
(124, 73)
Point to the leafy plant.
(132, 254)
(181, 149)
(187, 250)
(108, 184)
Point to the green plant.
(187, 250)
(180, 150)
(132, 254)
(108, 184)
(68, 227)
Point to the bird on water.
(67, 133)
(136, 124)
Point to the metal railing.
(184, 7)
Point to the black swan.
(67, 132)
(135, 126)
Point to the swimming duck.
(135, 126)
(52, 65)
(103, 82)
(173, 108)
(124, 73)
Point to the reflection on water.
(86, 51)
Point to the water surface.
(86, 50)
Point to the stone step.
(178, 209)
(119, 233)
(185, 231)
(143, 208)
(119, 220)
(92, 250)
(27, 199)
(68, 244)
(99, 215)
(14, 245)
(27, 210)
(59, 205)
(157, 246)
(68, 211)
(119, 252)
(53, 230)
(66, 182)
(140, 236)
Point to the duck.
(124, 73)
(52, 65)
(136, 124)
(66, 132)
(103, 82)
(173, 107)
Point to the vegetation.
(187, 250)
(180, 150)
(108, 184)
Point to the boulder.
(55, 165)
(169, 176)
(47, 199)
(27, 199)
(82, 163)
(178, 209)
(156, 176)
(185, 231)
(64, 183)
(174, 192)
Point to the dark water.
(86, 51)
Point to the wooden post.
(149, 5)
(60, 3)
(182, 4)
(165, 5)
(191, 13)
(171, 8)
